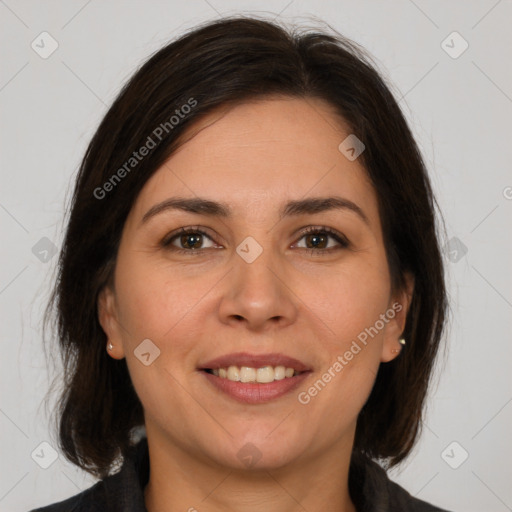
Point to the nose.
(257, 295)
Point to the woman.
(251, 278)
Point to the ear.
(397, 314)
(107, 316)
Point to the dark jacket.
(370, 488)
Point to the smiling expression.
(256, 244)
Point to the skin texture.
(254, 157)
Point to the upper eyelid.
(185, 230)
(331, 232)
(300, 233)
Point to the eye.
(188, 240)
(318, 240)
(322, 239)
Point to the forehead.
(257, 155)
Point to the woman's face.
(263, 278)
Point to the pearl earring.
(396, 350)
(110, 346)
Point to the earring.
(110, 346)
(396, 350)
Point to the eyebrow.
(203, 206)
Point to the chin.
(260, 452)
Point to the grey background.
(460, 111)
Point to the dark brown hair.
(221, 63)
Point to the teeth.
(233, 373)
(279, 372)
(247, 374)
(289, 372)
(262, 375)
(265, 374)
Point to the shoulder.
(90, 500)
(118, 492)
(400, 499)
(380, 493)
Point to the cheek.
(351, 352)
(358, 297)
(152, 301)
(154, 305)
(350, 299)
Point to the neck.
(179, 482)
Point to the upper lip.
(254, 361)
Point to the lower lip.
(254, 392)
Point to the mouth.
(247, 374)
(255, 378)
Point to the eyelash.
(341, 239)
